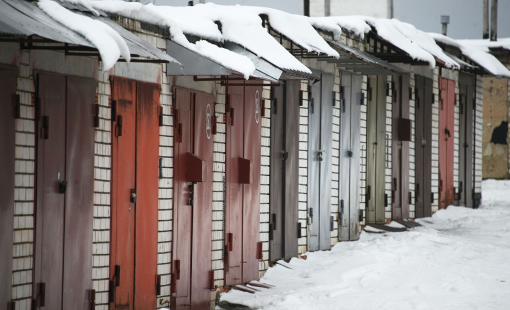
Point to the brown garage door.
(65, 183)
(193, 179)
(446, 132)
(135, 153)
(7, 125)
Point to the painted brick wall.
(478, 128)
(412, 149)
(24, 191)
(435, 141)
(303, 169)
(388, 175)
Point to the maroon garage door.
(242, 249)
(193, 179)
(65, 189)
(7, 113)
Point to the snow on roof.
(297, 28)
(238, 24)
(403, 35)
(476, 51)
(108, 42)
(487, 44)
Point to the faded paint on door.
(284, 172)
(400, 148)
(423, 146)
(193, 177)
(446, 139)
(243, 117)
(135, 149)
(8, 78)
(376, 150)
(350, 114)
(320, 128)
(65, 183)
(466, 139)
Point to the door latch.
(133, 196)
(320, 155)
(285, 155)
(350, 153)
(63, 187)
(310, 216)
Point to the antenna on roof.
(445, 20)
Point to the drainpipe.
(327, 7)
(485, 19)
(494, 20)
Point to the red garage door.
(135, 153)
(242, 249)
(193, 180)
(446, 131)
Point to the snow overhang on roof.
(20, 18)
(476, 52)
(357, 61)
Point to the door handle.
(447, 132)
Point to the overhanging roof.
(355, 60)
(20, 18)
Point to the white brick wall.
(478, 127)
(24, 189)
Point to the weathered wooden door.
(134, 215)
(251, 187)
(284, 171)
(446, 138)
(401, 130)
(65, 189)
(423, 146)
(349, 161)
(193, 178)
(376, 150)
(466, 140)
(320, 128)
(8, 78)
(243, 121)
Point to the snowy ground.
(459, 259)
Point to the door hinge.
(385, 200)
(275, 105)
(299, 230)
(274, 221)
(177, 269)
(262, 107)
(114, 110)
(388, 87)
(211, 280)
(173, 284)
(342, 104)
(410, 197)
(160, 168)
(417, 192)
(310, 215)
(17, 105)
(259, 250)
(231, 116)
(116, 276)
(215, 125)
(410, 93)
(92, 299)
(334, 98)
(369, 192)
(360, 215)
(111, 291)
(46, 127)
(11, 305)
(341, 206)
(160, 115)
(230, 241)
(158, 285)
(332, 223)
(362, 98)
(350, 153)
(178, 136)
(41, 295)
(432, 197)
(119, 126)
(96, 115)
(271, 231)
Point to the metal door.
(283, 228)
(79, 194)
(400, 148)
(234, 193)
(320, 163)
(122, 246)
(314, 188)
(51, 158)
(423, 146)
(183, 213)
(202, 202)
(350, 109)
(8, 78)
(146, 189)
(446, 131)
(251, 190)
(376, 150)
(466, 163)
